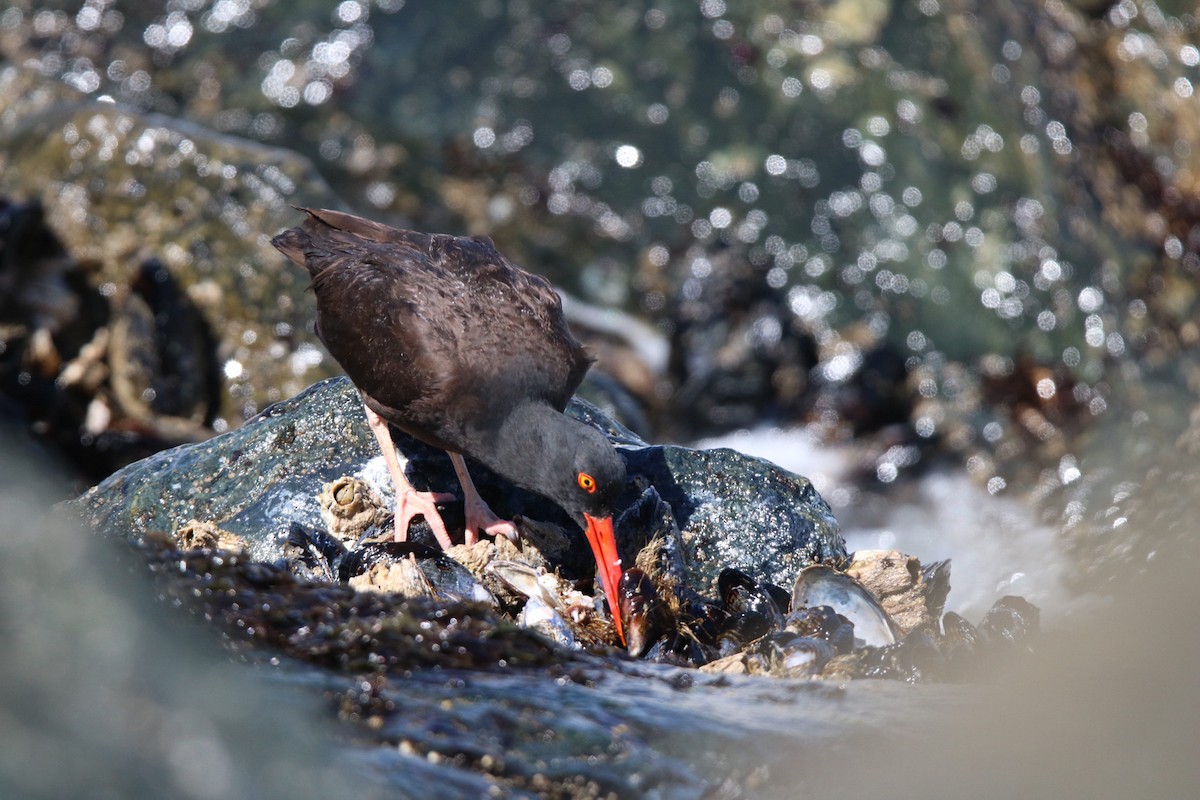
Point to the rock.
(738, 353)
(727, 665)
(200, 535)
(737, 511)
(912, 595)
(123, 188)
(259, 480)
(877, 394)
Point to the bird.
(455, 345)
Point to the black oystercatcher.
(455, 345)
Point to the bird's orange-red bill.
(604, 548)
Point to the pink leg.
(409, 502)
(480, 516)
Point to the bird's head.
(587, 490)
(595, 479)
(576, 466)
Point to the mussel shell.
(741, 594)
(915, 659)
(645, 615)
(956, 631)
(706, 621)
(743, 628)
(822, 622)
(961, 644)
(820, 585)
(524, 580)
(795, 656)
(730, 580)
(937, 586)
(781, 596)
(679, 649)
(1012, 621)
(540, 616)
(313, 554)
(367, 555)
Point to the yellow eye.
(587, 483)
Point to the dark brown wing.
(443, 334)
(516, 317)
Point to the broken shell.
(820, 585)
(553, 606)
(412, 570)
(538, 616)
(528, 582)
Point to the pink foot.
(411, 503)
(479, 515)
(481, 519)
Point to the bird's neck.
(529, 446)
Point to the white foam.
(375, 474)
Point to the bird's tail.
(293, 243)
(323, 233)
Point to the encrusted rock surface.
(258, 480)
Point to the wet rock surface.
(712, 539)
(151, 628)
(464, 658)
(105, 377)
(257, 481)
(738, 356)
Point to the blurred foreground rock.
(146, 702)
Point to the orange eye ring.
(586, 482)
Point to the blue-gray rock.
(257, 480)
